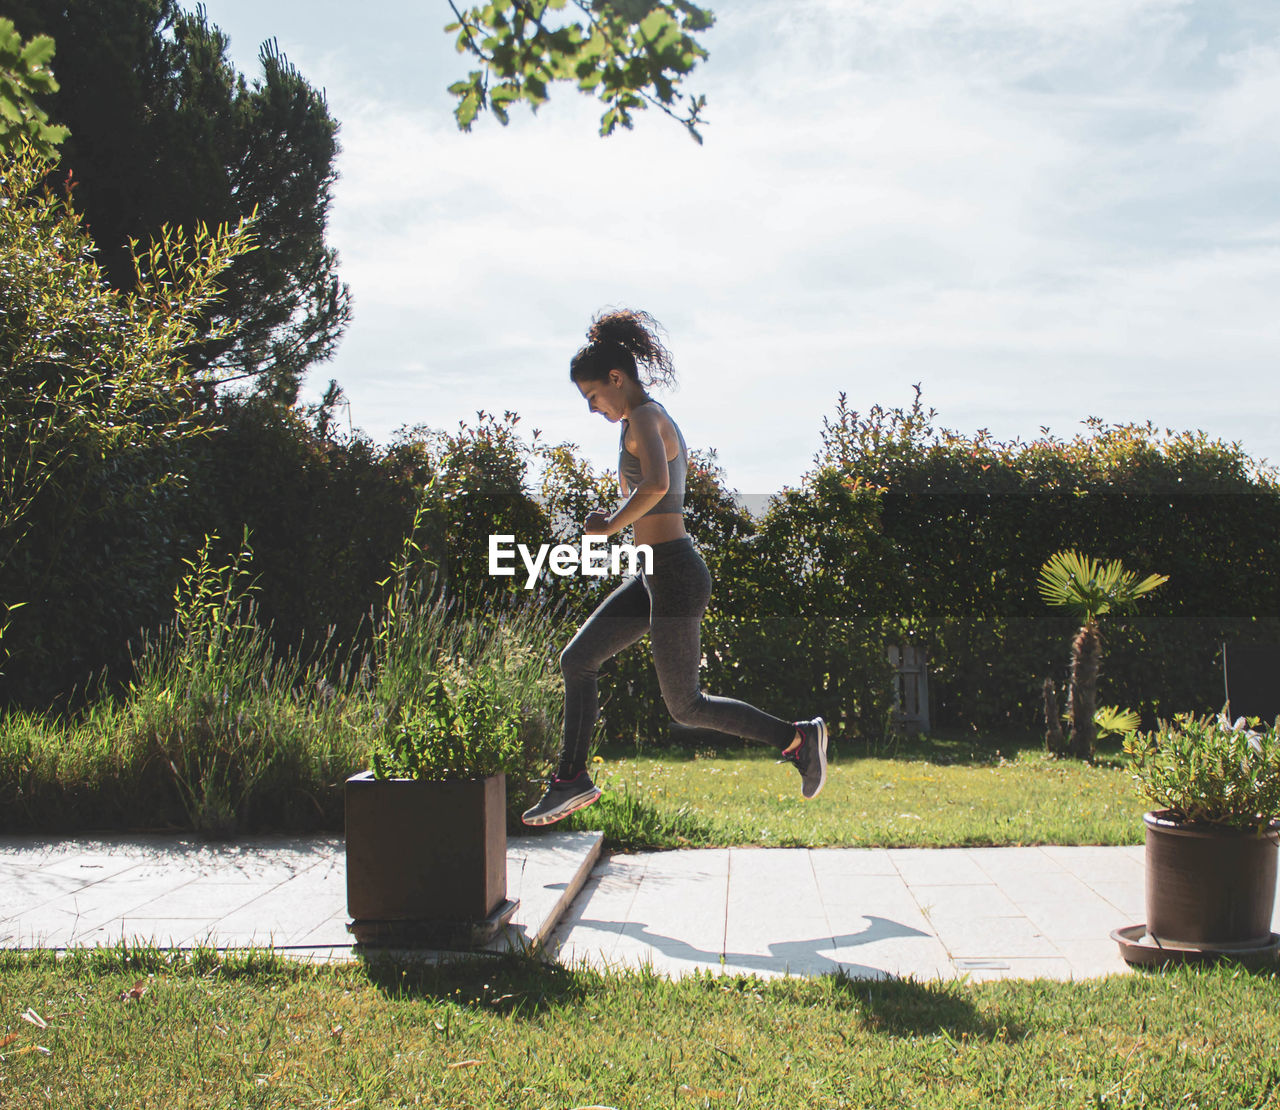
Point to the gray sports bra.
(629, 467)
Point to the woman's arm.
(654, 476)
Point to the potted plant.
(1210, 841)
(426, 825)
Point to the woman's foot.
(809, 756)
(561, 798)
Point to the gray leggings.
(668, 604)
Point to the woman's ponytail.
(627, 340)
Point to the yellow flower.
(598, 759)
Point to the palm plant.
(1088, 588)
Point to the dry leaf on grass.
(35, 1048)
(135, 992)
(35, 1019)
(464, 1063)
(8, 1039)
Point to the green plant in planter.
(1210, 770)
(451, 681)
(462, 728)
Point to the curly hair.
(624, 339)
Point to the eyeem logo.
(590, 558)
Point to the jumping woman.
(668, 602)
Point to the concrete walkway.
(287, 893)
(981, 912)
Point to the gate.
(910, 687)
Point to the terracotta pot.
(1209, 888)
(425, 852)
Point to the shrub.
(96, 399)
(969, 520)
(1210, 770)
(216, 732)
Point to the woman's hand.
(597, 524)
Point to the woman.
(667, 603)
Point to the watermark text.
(594, 557)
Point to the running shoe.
(561, 798)
(810, 758)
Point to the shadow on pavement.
(805, 957)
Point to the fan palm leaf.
(1088, 587)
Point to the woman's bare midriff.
(659, 528)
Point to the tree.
(628, 53)
(1088, 589)
(164, 130)
(88, 376)
(24, 75)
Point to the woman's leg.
(621, 619)
(618, 621)
(680, 586)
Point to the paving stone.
(591, 925)
(13, 868)
(937, 866)
(66, 918)
(1058, 885)
(639, 945)
(161, 932)
(847, 896)
(678, 911)
(998, 862)
(200, 898)
(37, 851)
(1015, 967)
(993, 938)
(964, 902)
(830, 863)
(1093, 958)
(1089, 917)
(899, 941)
(27, 892)
(90, 867)
(330, 933)
(1097, 864)
(775, 911)
(1129, 899)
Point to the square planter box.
(426, 861)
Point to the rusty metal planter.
(426, 861)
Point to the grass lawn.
(140, 1028)
(259, 1031)
(927, 794)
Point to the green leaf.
(1089, 588)
(38, 52)
(626, 53)
(1111, 720)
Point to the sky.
(1038, 210)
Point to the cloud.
(1041, 211)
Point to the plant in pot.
(426, 825)
(461, 697)
(1210, 841)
